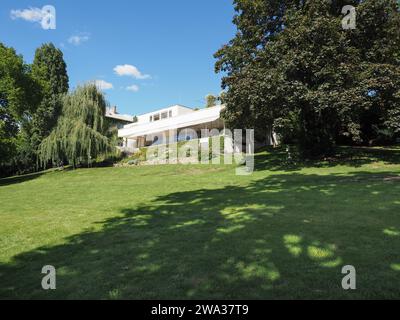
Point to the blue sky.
(161, 50)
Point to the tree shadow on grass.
(276, 159)
(287, 236)
(19, 179)
(30, 176)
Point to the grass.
(201, 232)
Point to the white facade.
(163, 114)
(175, 123)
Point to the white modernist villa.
(175, 123)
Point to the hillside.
(196, 231)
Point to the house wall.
(182, 134)
(175, 111)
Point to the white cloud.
(129, 70)
(103, 85)
(44, 16)
(31, 14)
(76, 40)
(133, 88)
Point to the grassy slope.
(203, 232)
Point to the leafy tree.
(211, 101)
(378, 39)
(8, 134)
(292, 61)
(49, 69)
(19, 96)
(81, 132)
(318, 71)
(18, 92)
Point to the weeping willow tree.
(81, 132)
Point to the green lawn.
(200, 231)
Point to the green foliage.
(211, 101)
(49, 67)
(8, 133)
(50, 70)
(292, 60)
(19, 96)
(18, 92)
(30, 104)
(81, 131)
(288, 127)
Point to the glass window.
(151, 118)
(164, 115)
(170, 113)
(156, 117)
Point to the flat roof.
(117, 116)
(162, 109)
(181, 121)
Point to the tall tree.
(50, 70)
(81, 132)
(292, 61)
(377, 37)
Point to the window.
(170, 113)
(156, 117)
(164, 115)
(151, 118)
